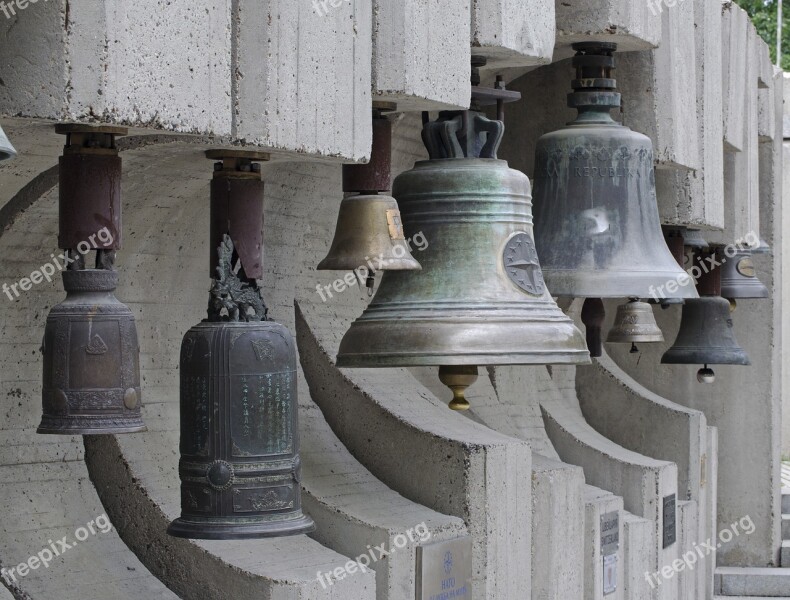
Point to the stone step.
(786, 500)
(752, 581)
(785, 559)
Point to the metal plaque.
(444, 570)
(609, 574)
(670, 521)
(610, 533)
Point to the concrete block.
(597, 503)
(639, 542)
(513, 33)
(659, 86)
(697, 197)
(632, 25)
(752, 581)
(311, 93)
(786, 526)
(785, 554)
(735, 39)
(785, 500)
(558, 524)
(688, 542)
(419, 60)
(117, 63)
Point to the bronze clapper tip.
(458, 379)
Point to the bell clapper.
(593, 314)
(634, 348)
(458, 379)
(706, 375)
(370, 282)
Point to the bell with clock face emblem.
(240, 466)
(480, 298)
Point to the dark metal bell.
(240, 466)
(91, 360)
(480, 298)
(706, 336)
(634, 323)
(597, 226)
(369, 228)
(739, 277)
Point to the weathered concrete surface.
(513, 33)
(637, 535)
(659, 88)
(782, 250)
(696, 197)
(126, 63)
(598, 503)
(407, 38)
(632, 25)
(735, 25)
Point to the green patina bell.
(480, 298)
(597, 226)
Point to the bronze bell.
(240, 466)
(480, 298)
(91, 376)
(706, 337)
(369, 233)
(7, 151)
(597, 226)
(739, 276)
(91, 370)
(635, 323)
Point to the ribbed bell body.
(739, 277)
(480, 298)
(635, 322)
(239, 465)
(369, 229)
(91, 381)
(7, 151)
(706, 336)
(597, 225)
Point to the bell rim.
(185, 528)
(354, 361)
(652, 338)
(394, 264)
(694, 356)
(42, 430)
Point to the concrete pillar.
(408, 37)
(696, 197)
(633, 25)
(513, 33)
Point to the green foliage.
(763, 14)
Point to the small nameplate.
(609, 574)
(444, 570)
(670, 522)
(610, 533)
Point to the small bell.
(739, 276)
(91, 375)
(706, 336)
(240, 466)
(635, 323)
(369, 234)
(597, 225)
(7, 151)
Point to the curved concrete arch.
(162, 268)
